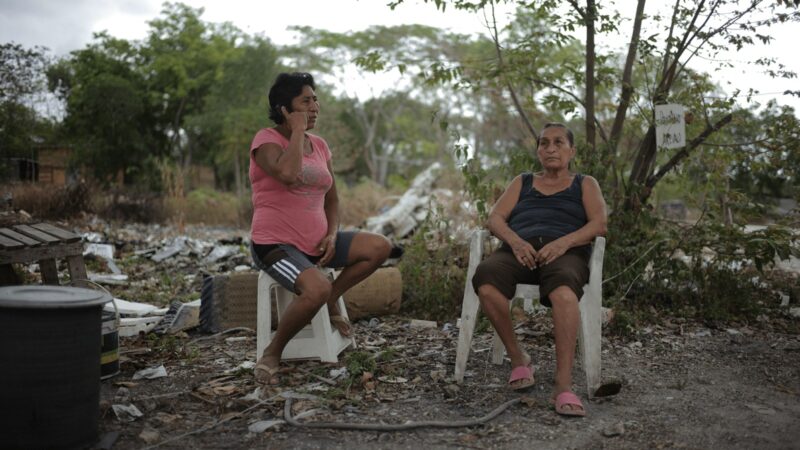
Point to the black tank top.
(556, 215)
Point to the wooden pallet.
(42, 243)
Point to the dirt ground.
(683, 386)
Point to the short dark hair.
(570, 136)
(286, 87)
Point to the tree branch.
(578, 9)
(713, 33)
(580, 101)
(517, 105)
(667, 49)
(683, 153)
(668, 76)
(627, 86)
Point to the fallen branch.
(287, 413)
(229, 330)
(213, 424)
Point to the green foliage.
(433, 269)
(707, 271)
(171, 346)
(358, 363)
(21, 80)
(387, 354)
(622, 325)
(21, 71)
(211, 207)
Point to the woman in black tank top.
(546, 221)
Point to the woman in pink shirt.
(295, 218)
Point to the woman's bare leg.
(495, 305)
(566, 317)
(367, 252)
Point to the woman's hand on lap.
(328, 247)
(525, 254)
(551, 251)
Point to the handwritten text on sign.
(670, 126)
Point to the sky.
(63, 26)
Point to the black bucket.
(50, 380)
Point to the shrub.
(213, 207)
(434, 268)
(360, 201)
(51, 202)
(707, 271)
(126, 205)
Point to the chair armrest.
(596, 261)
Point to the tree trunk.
(590, 60)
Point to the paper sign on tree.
(670, 126)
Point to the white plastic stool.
(316, 340)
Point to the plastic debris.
(126, 413)
(416, 323)
(105, 251)
(263, 425)
(179, 317)
(151, 373)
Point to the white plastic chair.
(318, 339)
(589, 332)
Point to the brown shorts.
(502, 270)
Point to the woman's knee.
(489, 293)
(563, 295)
(317, 289)
(482, 280)
(382, 247)
(374, 247)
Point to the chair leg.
(321, 325)
(263, 314)
(343, 310)
(590, 338)
(527, 305)
(498, 349)
(469, 316)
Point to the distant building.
(53, 165)
(47, 165)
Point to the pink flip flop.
(523, 374)
(567, 398)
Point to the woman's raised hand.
(296, 121)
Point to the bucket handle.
(117, 319)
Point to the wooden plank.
(7, 243)
(64, 235)
(32, 254)
(77, 270)
(9, 233)
(29, 231)
(49, 271)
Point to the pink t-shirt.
(291, 214)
